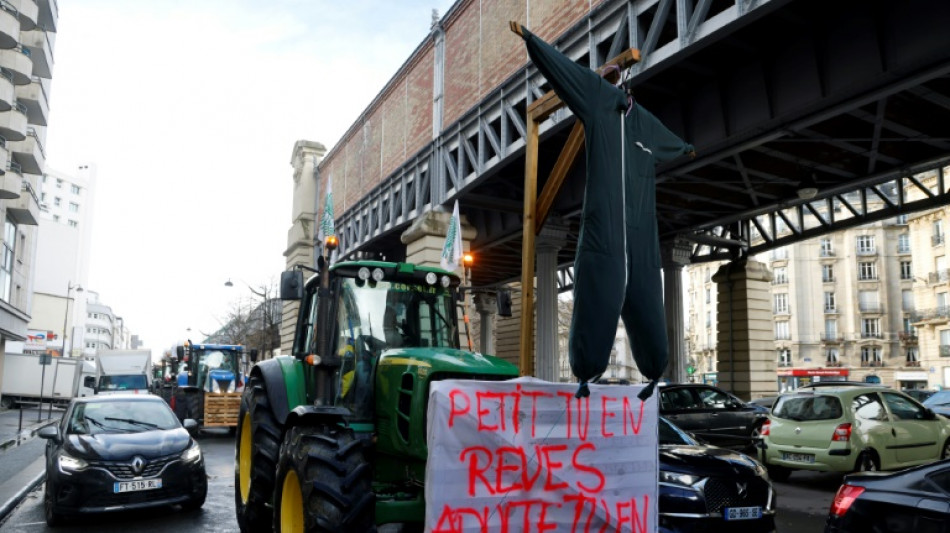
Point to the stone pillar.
(746, 334)
(300, 238)
(675, 256)
(552, 238)
(487, 305)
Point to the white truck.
(61, 380)
(123, 371)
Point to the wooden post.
(536, 209)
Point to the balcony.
(826, 253)
(829, 279)
(7, 90)
(937, 239)
(833, 364)
(17, 61)
(941, 276)
(29, 153)
(25, 211)
(784, 364)
(40, 44)
(13, 123)
(872, 363)
(832, 338)
(871, 335)
(831, 310)
(9, 26)
(35, 98)
(780, 281)
(908, 339)
(931, 316)
(28, 12)
(867, 251)
(912, 364)
(870, 308)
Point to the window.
(870, 356)
(906, 271)
(865, 244)
(869, 301)
(901, 219)
(59, 183)
(831, 329)
(942, 302)
(827, 273)
(902, 408)
(57, 201)
(937, 235)
(908, 326)
(903, 243)
(780, 276)
(871, 328)
(7, 256)
(56, 218)
(825, 248)
(831, 357)
(907, 300)
(73, 224)
(913, 357)
(784, 357)
(708, 319)
(779, 254)
(708, 295)
(781, 304)
(73, 207)
(75, 189)
(868, 407)
(830, 302)
(867, 271)
(781, 331)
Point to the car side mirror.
(190, 424)
(50, 432)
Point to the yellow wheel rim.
(245, 458)
(291, 505)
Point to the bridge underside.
(851, 96)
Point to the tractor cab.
(216, 368)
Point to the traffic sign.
(46, 359)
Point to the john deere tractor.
(333, 437)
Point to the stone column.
(746, 334)
(487, 305)
(675, 256)
(300, 238)
(552, 238)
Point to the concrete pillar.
(486, 305)
(300, 238)
(675, 256)
(746, 334)
(549, 242)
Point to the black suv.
(713, 414)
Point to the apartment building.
(27, 37)
(867, 304)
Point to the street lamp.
(69, 288)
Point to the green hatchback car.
(851, 428)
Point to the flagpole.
(468, 331)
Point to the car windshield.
(807, 407)
(672, 435)
(93, 418)
(120, 383)
(938, 399)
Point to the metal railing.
(936, 239)
(871, 335)
(872, 363)
(936, 313)
(869, 308)
(832, 337)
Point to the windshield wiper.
(131, 421)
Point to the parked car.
(915, 499)
(712, 414)
(848, 428)
(705, 488)
(121, 452)
(920, 395)
(939, 402)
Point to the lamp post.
(69, 288)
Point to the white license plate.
(135, 486)
(798, 457)
(742, 513)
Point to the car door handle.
(893, 432)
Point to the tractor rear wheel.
(194, 405)
(324, 482)
(257, 447)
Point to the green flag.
(452, 251)
(326, 223)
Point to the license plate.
(742, 513)
(135, 486)
(798, 457)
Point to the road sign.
(46, 359)
(690, 369)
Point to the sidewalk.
(17, 428)
(12, 428)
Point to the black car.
(121, 452)
(706, 489)
(712, 414)
(913, 500)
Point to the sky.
(190, 110)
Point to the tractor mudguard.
(285, 385)
(314, 415)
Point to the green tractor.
(333, 437)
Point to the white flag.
(326, 223)
(452, 251)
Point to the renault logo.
(138, 464)
(742, 488)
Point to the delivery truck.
(123, 371)
(27, 380)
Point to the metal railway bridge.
(850, 98)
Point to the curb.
(11, 504)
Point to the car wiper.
(95, 421)
(131, 421)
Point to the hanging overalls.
(617, 267)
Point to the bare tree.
(253, 322)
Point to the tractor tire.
(195, 406)
(256, 449)
(324, 483)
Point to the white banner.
(526, 456)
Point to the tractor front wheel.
(257, 446)
(324, 482)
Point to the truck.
(62, 379)
(333, 436)
(123, 371)
(208, 383)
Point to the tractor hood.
(447, 360)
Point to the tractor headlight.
(446, 281)
(192, 454)
(68, 463)
(378, 275)
(431, 278)
(363, 273)
(676, 478)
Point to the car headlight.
(68, 463)
(687, 480)
(191, 454)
